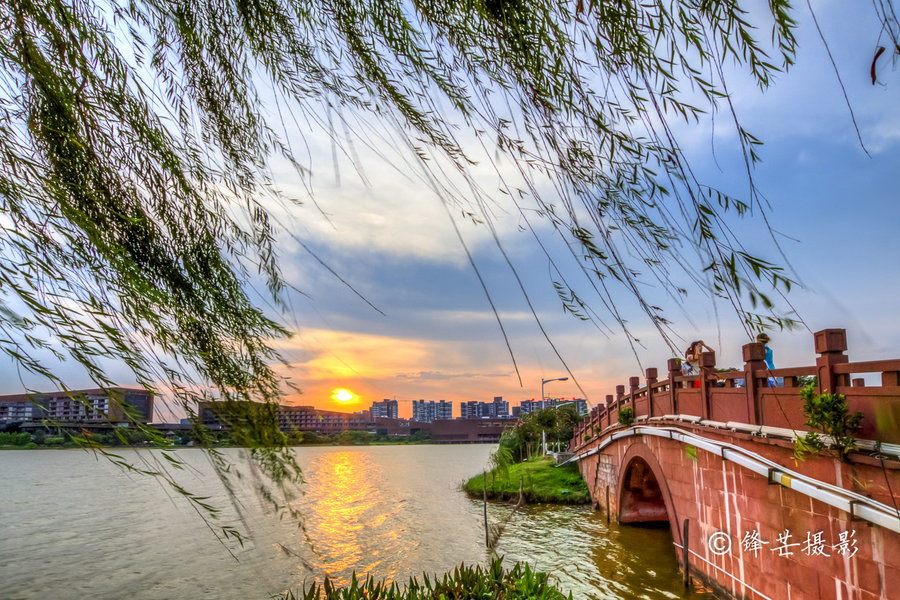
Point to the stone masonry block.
(769, 586)
(792, 499)
(890, 546)
(753, 486)
(891, 582)
(833, 588)
(753, 351)
(830, 340)
(801, 584)
(864, 540)
(868, 576)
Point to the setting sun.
(343, 396)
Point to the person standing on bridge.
(763, 338)
(692, 358)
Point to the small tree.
(829, 414)
(557, 424)
(626, 416)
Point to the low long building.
(469, 431)
(308, 418)
(301, 418)
(79, 407)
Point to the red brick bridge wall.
(716, 495)
(807, 549)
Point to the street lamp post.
(543, 381)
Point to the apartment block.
(386, 409)
(529, 406)
(426, 412)
(498, 409)
(95, 406)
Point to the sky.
(834, 209)
(432, 335)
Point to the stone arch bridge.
(712, 456)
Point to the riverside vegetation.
(541, 480)
(126, 436)
(518, 462)
(465, 582)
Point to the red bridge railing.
(746, 396)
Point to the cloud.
(389, 205)
(440, 376)
(333, 355)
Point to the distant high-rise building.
(426, 412)
(526, 406)
(529, 406)
(420, 411)
(500, 408)
(386, 409)
(471, 410)
(580, 404)
(444, 410)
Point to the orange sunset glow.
(372, 367)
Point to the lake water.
(76, 526)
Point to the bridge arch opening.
(641, 501)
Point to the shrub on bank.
(14, 439)
(555, 426)
(463, 583)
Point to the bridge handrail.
(717, 395)
(785, 372)
(871, 366)
(857, 505)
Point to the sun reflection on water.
(342, 510)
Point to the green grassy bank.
(542, 481)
